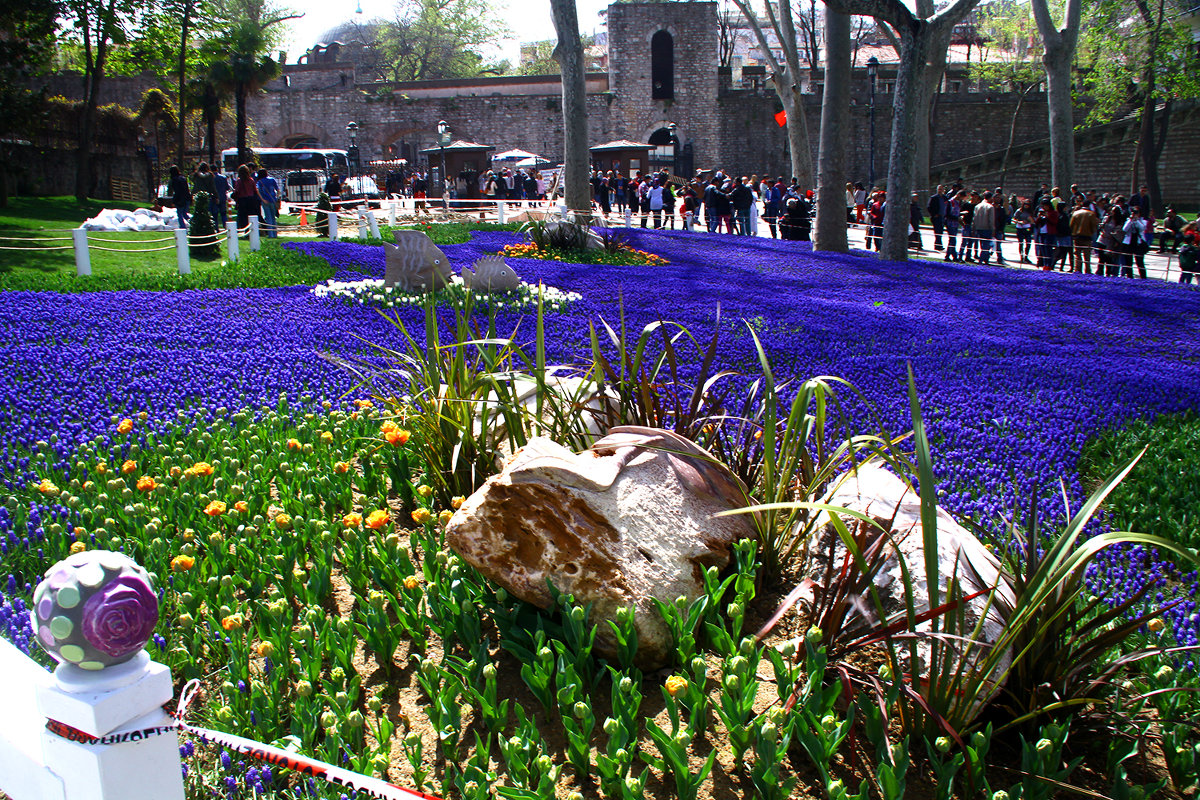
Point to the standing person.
(723, 199)
(219, 204)
(937, 214)
(1188, 256)
(245, 197)
(966, 216)
(268, 197)
(1111, 234)
(1046, 223)
(420, 188)
(953, 216)
(654, 197)
(1023, 222)
(600, 190)
(772, 204)
(915, 218)
(1084, 224)
(333, 186)
(690, 208)
(1135, 243)
(849, 203)
(710, 208)
(860, 203)
(875, 213)
(181, 195)
(1002, 219)
(202, 181)
(740, 197)
(669, 204)
(984, 226)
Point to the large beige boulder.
(891, 503)
(627, 521)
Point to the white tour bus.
(301, 172)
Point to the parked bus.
(309, 168)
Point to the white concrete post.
(333, 224)
(362, 226)
(391, 212)
(83, 258)
(562, 209)
(183, 257)
(628, 217)
(255, 242)
(373, 224)
(500, 211)
(124, 697)
(688, 220)
(231, 240)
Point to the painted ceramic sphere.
(95, 609)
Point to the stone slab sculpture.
(490, 274)
(415, 263)
(629, 520)
(891, 503)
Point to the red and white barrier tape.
(275, 756)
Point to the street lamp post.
(444, 134)
(352, 150)
(872, 73)
(673, 129)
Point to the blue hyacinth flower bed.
(1016, 370)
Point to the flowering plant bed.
(624, 256)
(296, 525)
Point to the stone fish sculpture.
(627, 521)
(415, 263)
(490, 274)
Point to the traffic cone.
(303, 217)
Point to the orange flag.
(781, 118)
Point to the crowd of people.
(254, 192)
(1050, 230)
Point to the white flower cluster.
(372, 292)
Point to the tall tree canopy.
(1139, 54)
(432, 39)
(26, 42)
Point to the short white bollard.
(231, 240)
(500, 212)
(255, 241)
(391, 212)
(362, 226)
(123, 700)
(689, 219)
(373, 224)
(333, 225)
(183, 257)
(628, 218)
(83, 258)
(562, 209)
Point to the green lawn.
(130, 260)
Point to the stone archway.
(301, 133)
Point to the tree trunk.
(797, 133)
(830, 231)
(906, 121)
(87, 124)
(183, 37)
(930, 79)
(1057, 62)
(210, 120)
(569, 54)
(240, 104)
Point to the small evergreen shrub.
(202, 232)
(322, 222)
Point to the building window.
(955, 86)
(662, 66)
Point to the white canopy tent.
(514, 155)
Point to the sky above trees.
(528, 20)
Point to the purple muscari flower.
(226, 761)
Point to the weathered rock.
(415, 263)
(627, 521)
(490, 274)
(886, 499)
